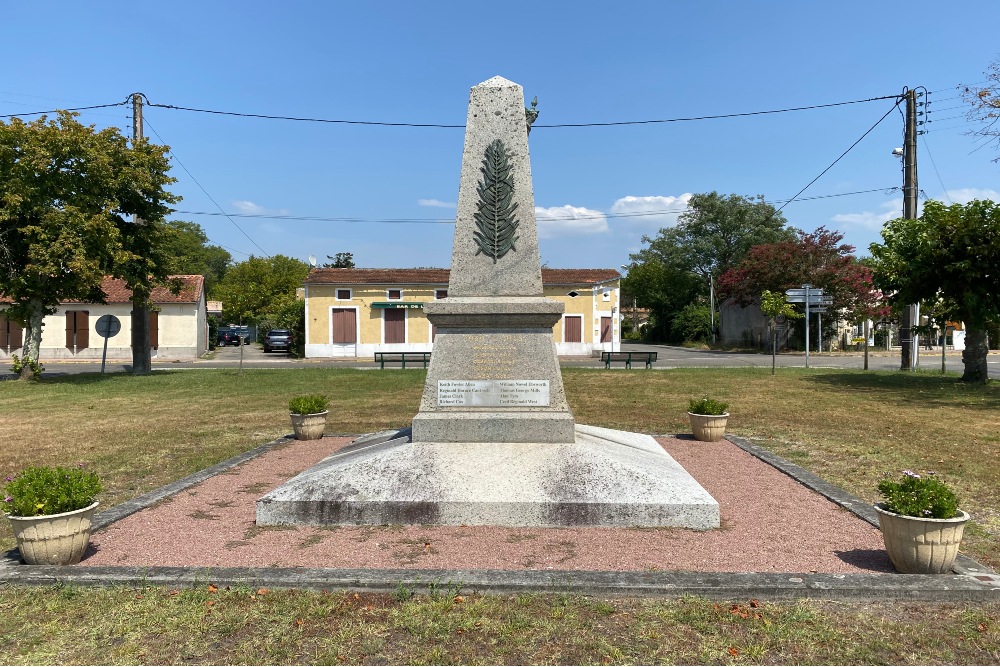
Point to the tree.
(716, 232)
(67, 192)
(342, 260)
(984, 103)
(712, 236)
(818, 258)
(259, 285)
(191, 254)
(664, 290)
(774, 305)
(950, 254)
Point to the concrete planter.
(309, 427)
(708, 428)
(921, 546)
(53, 539)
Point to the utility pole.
(141, 356)
(906, 339)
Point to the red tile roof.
(440, 276)
(191, 288)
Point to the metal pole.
(806, 288)
(819, 332)
(711, 303)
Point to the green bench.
(628, 357)
(382, 357)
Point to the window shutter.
(15, 335)
(70, 328)
(82, 329)
(154, 329)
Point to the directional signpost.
(810, 296)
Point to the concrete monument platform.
(604, 478)
(494, 441)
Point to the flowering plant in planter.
(921, 524)
(51, 512)
(39, 491)
(921, 496)
(707, 406)
(311, 404)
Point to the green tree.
(67, 194)
(191, 254)
(711, 237)
(951, 254)
(259, 285)
(342, 260)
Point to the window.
(607, 295)
(573, 294)
(573, 329)
(343, 295)
(394, 320)
(77, 329)
(441, 294)
(394, 294)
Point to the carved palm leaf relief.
(495, 217)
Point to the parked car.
(278, 339)
(228, 338)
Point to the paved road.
(667, 357)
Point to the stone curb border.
(972, 582)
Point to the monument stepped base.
(604, 478)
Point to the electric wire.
(851, 147)
(934, 164)
(177, 160)
(536, 125)
(584, 216)
(39, 113)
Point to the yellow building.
(357, 312)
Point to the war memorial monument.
(494, 441)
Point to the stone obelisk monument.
(494, 375)
(494, 442)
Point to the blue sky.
(411, 62)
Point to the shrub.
(924, 497)
(39, 491)
(310, 404)
(707, 406)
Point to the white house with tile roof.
(178, 324)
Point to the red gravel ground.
(770, 523)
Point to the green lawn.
(849, 427)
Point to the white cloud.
(965, 195)
(654, 211)
(436, 203)
(250, 208)
(869, 220)
(569, 220)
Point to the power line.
(877, 123)
(934, 164)
(176, 159)
(39, 113)
(440, 221)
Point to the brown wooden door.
(345, 325)
(394, 320)
(605, 329)
(574, 329)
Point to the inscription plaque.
(492, 393)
